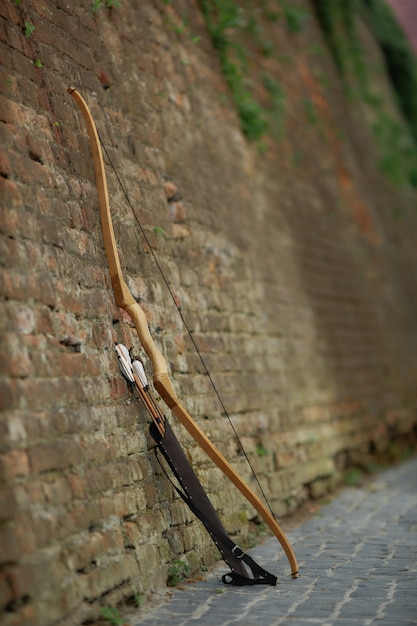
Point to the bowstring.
(188, 329)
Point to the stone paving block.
(352, 573)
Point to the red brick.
(14, 361)
(14, 464)
(8, 504)
(54, 456)
(11, 12)
(44, 321)
(51, 394)
(77, 485)
(11, 196)
(5, 168)
(27, 170)
(6, 593)
(23, 65)
(44, 531)
(57, 491)
(10, 548)
(20, 578)
(13, 286)
(98, 479)
(81, 516)
(34, 494)
(25, 615)
(106, 506)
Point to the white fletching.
(140, 373)
(125, 361)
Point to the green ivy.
(29, 28)
(99, 4)
(227, 23)
(397, 143)
(399, 57)
(111, 614)
(177, 573)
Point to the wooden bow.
(161, 381)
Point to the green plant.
(38, 63)
(222, 17)
(261, 451)
(399, 57)
(338, 21)
(310, 111)
(396, 142)
(266, 47)
(111, 614)
(98, 4)
(177, 573)
(354, 477)
(373, 467)
(297, 158)
(225, 19)
(295, 17)
(398, 151)
(29, 28)
(159, 231)
(277, 106)
(138, 600)
(176, 26)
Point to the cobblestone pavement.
(358, 567)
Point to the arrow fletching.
(140, 373)
(125, 362)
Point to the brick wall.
(294, 267)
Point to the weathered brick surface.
(297, 279)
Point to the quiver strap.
(197, 500)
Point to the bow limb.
(122, 295)
(162, 383)
(163, 386)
